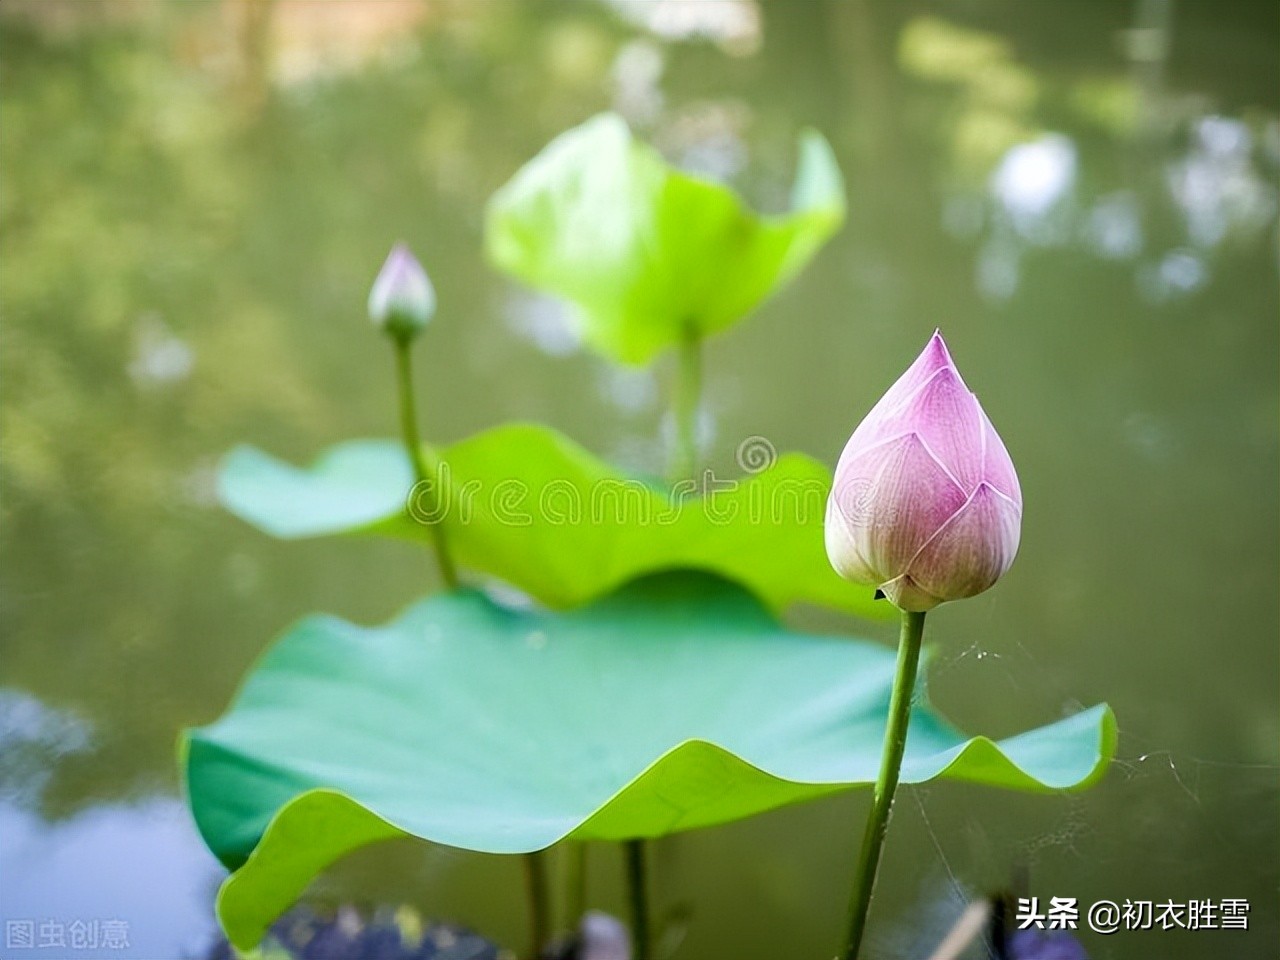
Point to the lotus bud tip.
(402, 300)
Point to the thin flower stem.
(685, 403)
(686, 400)
(637, 889)
(423, 471)
(575, 883)
(535, 875)
(895, 741)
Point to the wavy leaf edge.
(239, 468)
(248, 935)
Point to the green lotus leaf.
(651, 255)
(677, 702)
(531, 507)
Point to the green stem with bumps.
(895, 742)
(423, 471)
(685, 402)
(638, 893)
(535, 872)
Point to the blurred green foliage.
(529, 506)
(652, 256)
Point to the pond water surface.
(1082, 195)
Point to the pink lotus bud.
(402, 300)
(926, 504)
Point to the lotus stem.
(637, 889)
(685, 403)
(575, 883)
(423, 471)
(895, 741)
(535, 875)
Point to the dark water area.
(1083, 196)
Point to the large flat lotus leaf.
(533, 508)
(648, 253)
(677, 702)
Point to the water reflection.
(1113, 226)
(637, 74)
(734, 25)
(1217, 184)
(141, 866)
(1084, 196)
(546, 322)
(33, 740)
(159, 357)
(1031, 181)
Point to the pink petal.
(890, 499)
(972, 550)
(933, 358)
(905, 594)
(843, 550)
(997, 466)
(946, 416)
